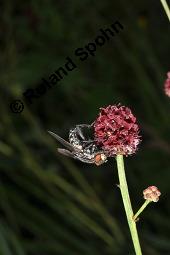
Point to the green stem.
(166, 8)
(127, 204)
(141, 209)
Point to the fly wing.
(72, 155)
(63, 142)
(66, 152)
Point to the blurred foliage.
(53, 205)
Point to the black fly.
(81, 146)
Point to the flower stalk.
(166, 8)
(127, 204)
(141, 209)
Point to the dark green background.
(50, 204)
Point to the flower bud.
(152, 193)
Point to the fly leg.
(79, 130)
(85, 125)
(80, 133)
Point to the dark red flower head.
(167, 85)
(116, 131)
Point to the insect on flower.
(81, 146)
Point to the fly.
(81, 146)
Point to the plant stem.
(141, 209)
(166, 8)
(127, 204)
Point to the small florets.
(167, 85)
(116, 131)
(152, 193)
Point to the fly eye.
(98, 159)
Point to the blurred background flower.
(167, 85)
(50, 204)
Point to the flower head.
(167, 85)
(152, 193)
(116, 131)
